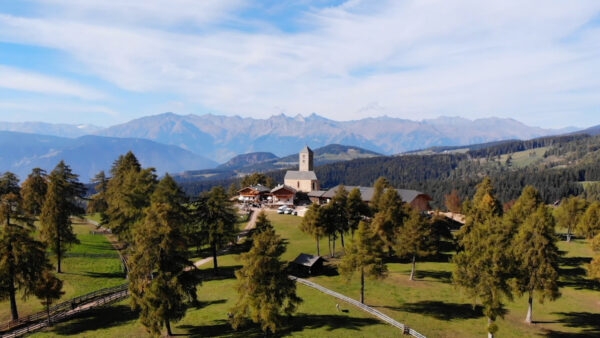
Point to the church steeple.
(306, 159)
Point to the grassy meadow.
(431, 305)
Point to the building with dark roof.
(308, 264)
(415, 198)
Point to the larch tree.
(22, 258)
(569, 214)
(537, 258)
(589, 224)
(389, 218)
(364, 255)
(452, 202)
(217, 221)
(339, 205)
(62, 200)
(328, 219)
(33, 192)
(98, 203)
(127, 194)
(594, 266)
(312, 224)
(161, 280)
(484, 266)
(265, 293)
(262, 222)
(357, 209)
(380, 186)
(415, 239)
(48, 289)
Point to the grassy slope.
(431, 305)
(81, 274)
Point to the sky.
(106, 62)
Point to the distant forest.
(575, 159)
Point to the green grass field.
(82, 271)
(431, 305)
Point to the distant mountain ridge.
(42, 128)
(222, 137)
(87, 155)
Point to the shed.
(308, 264)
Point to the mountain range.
(176, 143)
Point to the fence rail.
(63, 307)
(405, 329)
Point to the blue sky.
(106, 62)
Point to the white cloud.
(18, 79)
(418, 59)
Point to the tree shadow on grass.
(224, 272)
(296, 323)
(576, 278)
(588, 323)
(119, 274)
(100, 318)
(202, 304)
(441, 310)
(440, 276)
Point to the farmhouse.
(254, 194)
(304, 179)
(417, 199)
(283, 195)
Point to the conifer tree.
(526, 205)
(569, 214)
(98, 201)
(312, 224)
(265, 292)
(363, 255)
(452, 202)
(381, 184)
(594, 266)
(22, 258)
(339, 205)
(328, 218)
(262, 222)
(537, 258)
(34, 191)
(127, 194)
(48, 289)
(62, 198)
(159, 283)
(589, 225)
(357, 209)
(415, 239)
(389, 218)
(233, 190)
(484, 266)
(217, 220)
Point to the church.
(304, 179)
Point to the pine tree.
(594, 266)
(328, 219)
(233, 190)
(527, 204)
(159, 283)
(22, 258)
(484, 266)
(452, 202)
(127, 194)
(589, 225)
(262, 222)
(363, 255)
(537, 258)
(357, 209)
(389, 218)
(381, 184)
(48, 289)
(415, 239)
(265, 292)
(569, 214)
(60, 203)
(312, 224)
(217, 221)
(98, 203)
(34, 191)
(339, 205)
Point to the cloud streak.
(535, 61)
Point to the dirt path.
(251, 224)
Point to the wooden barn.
(306, 264)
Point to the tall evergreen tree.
(48, 289)
(265, 292)
(484, 266)
(363, 255)
(589, 224)
(328, 219)
(452, 202)
(62, 200)
(262, 222)
(569, 214)
(159, 283)
(98, 201)
(381, 184)
(312, 224)
(339, 205)
(22, 258)
(127, 194)
(357, 209)
(527, 204)
(537, 258)
(594, 267)
(34, 191)
(217, 219)
(389, 218)
(415, 239)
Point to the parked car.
(280, 211)
(288, 211)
